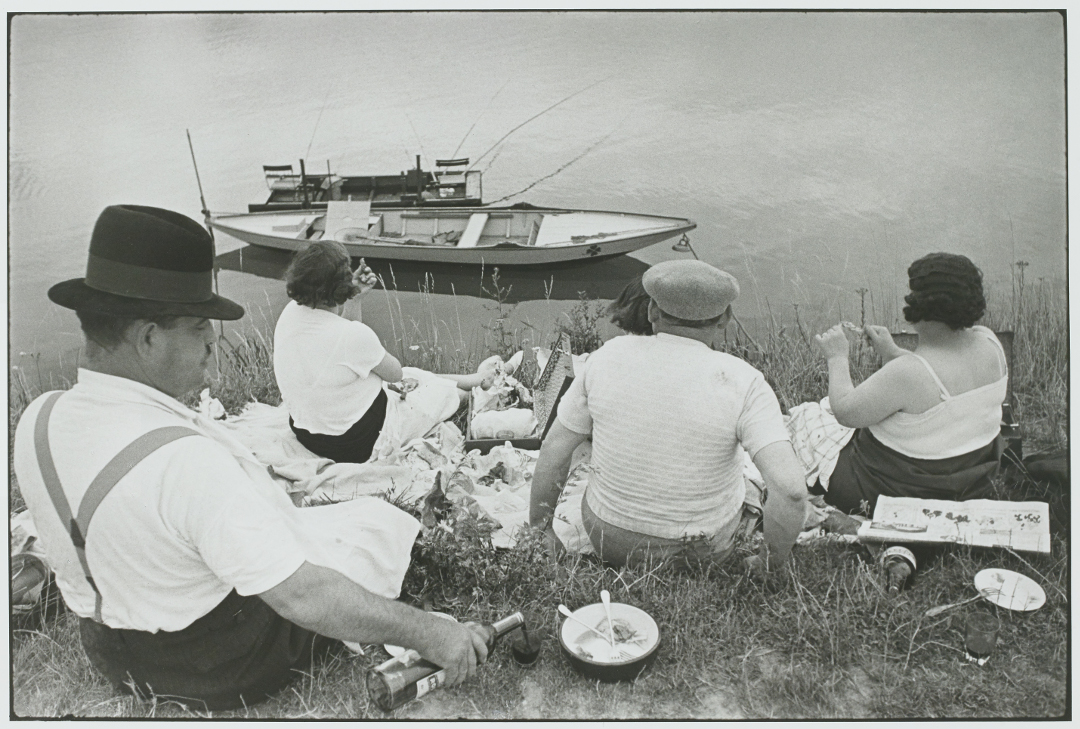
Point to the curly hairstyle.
(320, 275)
(947, 288)
(630, 312)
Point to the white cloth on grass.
(817, 438)
(434, 400)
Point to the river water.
(819, 153)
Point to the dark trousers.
(236, 655)
(355, 444)
(867, 469)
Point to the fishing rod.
(206, 222)
(417, 135)
(482, 112)
(588, 149)
(531, 118)
(319, 118)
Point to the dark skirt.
(867, 469)
(355, 444)
(236, 655)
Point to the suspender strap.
(102, 484)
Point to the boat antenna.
(535, 116)
(206, 222)
(590, 148)
(482, 112)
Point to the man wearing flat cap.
(170, 541)
(667, 415)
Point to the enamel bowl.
(592, 655)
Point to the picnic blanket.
(420, 447)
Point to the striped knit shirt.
(667, 415)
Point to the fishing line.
(418, 142)
(318, 119)
(590, 148)
(545, 111)
(454, 155)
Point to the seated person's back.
(667, 416)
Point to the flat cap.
(691, 290)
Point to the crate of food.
(509, 411)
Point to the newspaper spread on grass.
(1020, 525)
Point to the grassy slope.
(822, 643)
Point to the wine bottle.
(899, 563)
(408, 676)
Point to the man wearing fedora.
(169, 540)
(667, 415)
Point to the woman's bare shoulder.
(905, 366)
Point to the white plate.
(396, 650)
(1010, 590)
(588, 646)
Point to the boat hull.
(242, 227)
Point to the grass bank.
(822, 642)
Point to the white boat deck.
(563, 228)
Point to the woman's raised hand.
(364, 277)
(488, 370)
(833, 342)
(882, 342)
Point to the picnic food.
(403, 388)
(628, 642)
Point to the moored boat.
(519, 235)
(450, 184)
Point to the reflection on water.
(561, 282)
(819, 153)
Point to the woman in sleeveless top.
(928, 422)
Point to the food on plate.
(629, 642)
(403, 388)
(624, 631)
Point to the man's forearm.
(345, 610)
(784, 510)
(329, 603)
(782, 519)
(547, 484)
(550, 473)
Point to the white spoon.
(566, 612)
(605, 597)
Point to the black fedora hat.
(147, 262)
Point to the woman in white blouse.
(331, 370)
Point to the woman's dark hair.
(320, 275)
(630, 312)
(947, 288)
